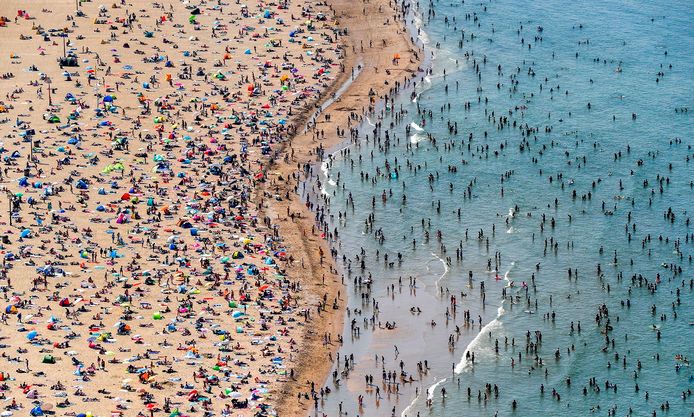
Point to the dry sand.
(136, 214)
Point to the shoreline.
(397, 41)
(368, 118)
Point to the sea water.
(590, 171)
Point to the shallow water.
(616, 73)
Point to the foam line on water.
(418, 135)
(430, 395)
(407, 409)
(445, 270)
(416, 127)
(326, 173)
(432, 388)
(464, 364)
(419, 24)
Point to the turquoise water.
(630, 149)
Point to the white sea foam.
(492, 326)
(432, 389)
(409, 407)
(419, 134)
(465, 364)
(326, 173)
(416, 127)
(419, 24)
(445, 270)
(430, 395)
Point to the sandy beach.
(156, 257)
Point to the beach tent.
(48, 359)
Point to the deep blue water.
(608, 120)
